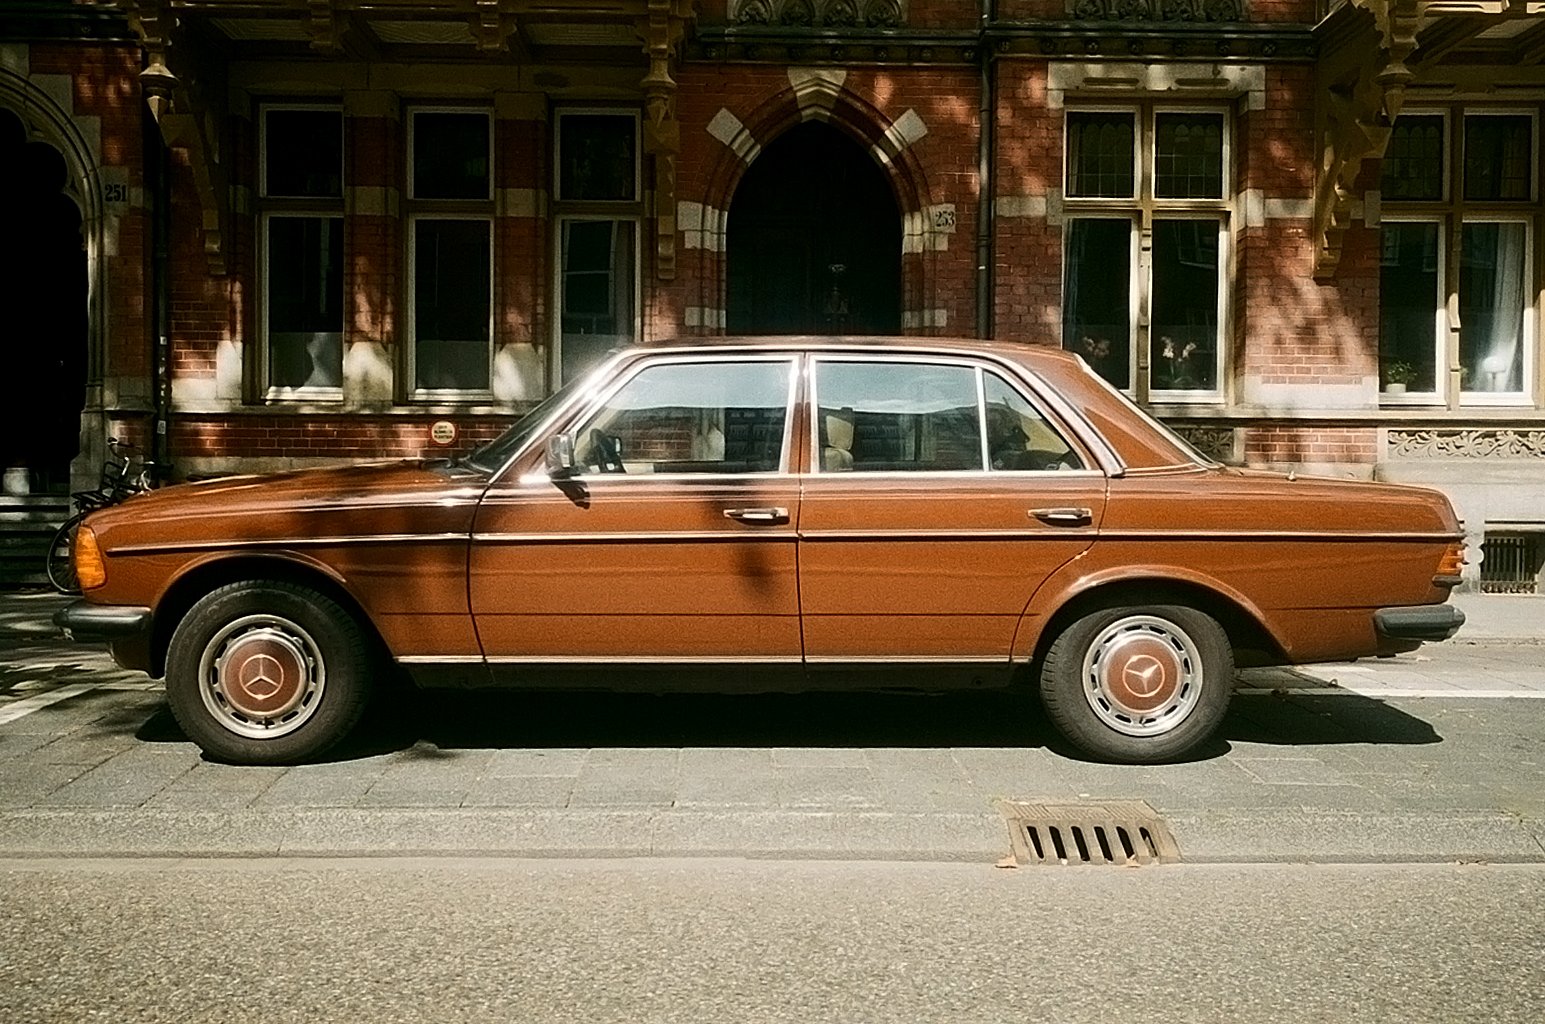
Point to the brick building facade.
(1310, 236)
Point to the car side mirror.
(560, 456)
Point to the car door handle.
(760, 516)
(1064, 516)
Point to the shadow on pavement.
(424, 723)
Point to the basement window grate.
(1119, 832)
(1511, 563)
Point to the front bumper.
(1419, 622)
(93, 622)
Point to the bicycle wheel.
(61, 556)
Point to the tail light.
(1450, 565)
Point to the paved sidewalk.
(1310, 765)
(1512, 617)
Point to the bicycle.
(123, 475)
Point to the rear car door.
(940, 495)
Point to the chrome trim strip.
(936, 535)
(1278, 535)
(513, 494)
(286, 542)
(909, 659)
(1039, 475)
(669, 660)
(683, 659)
(725, 536)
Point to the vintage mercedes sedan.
(771, 514)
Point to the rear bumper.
(94, 622)
(1419, 622)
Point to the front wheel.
(267, 673)
(1138, 684)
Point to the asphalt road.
(388, 940)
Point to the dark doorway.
(814, 240)
(42, 312)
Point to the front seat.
(837, 453)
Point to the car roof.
(1021, 351)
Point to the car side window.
(1018, 436)
(875, 416)
(714, 416)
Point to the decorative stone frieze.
(1214, 442)
(1467, 444)
(818, 13)
(1156, 10)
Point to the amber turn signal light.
(90, 571)
(1450, 564)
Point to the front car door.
(673, 540)
(941, 494)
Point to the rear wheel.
(1139, 684)
(267, 673)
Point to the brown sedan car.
(783, 513)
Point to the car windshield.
(492, 456)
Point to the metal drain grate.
(1123, 832)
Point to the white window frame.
(638, 183)
(1225, 167)
(1446, 169)
(416, 393)
(1533, 115)
(1136, 114)
(264, 109)
(1172, 396)
(556, 361)
(417, 109)
(1452, 213)
(310, 207)
(1524, 396)
(1144, 207)
(1437, 396)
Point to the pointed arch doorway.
(43, 296)
(814, 242)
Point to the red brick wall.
(521, 246)
(1027, 251)
(1290, 443)
(331, 436)
(1279, 140)
(373, 243)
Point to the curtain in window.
(1491, 306)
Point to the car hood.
(341, 501)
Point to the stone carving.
(1467, 444)
(752, 12)
(1157, 10)
(812, 13)
(1214, 442)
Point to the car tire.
(1138, 684)
(267, 673)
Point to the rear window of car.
(1141, 441)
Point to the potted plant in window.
(1398, 374)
